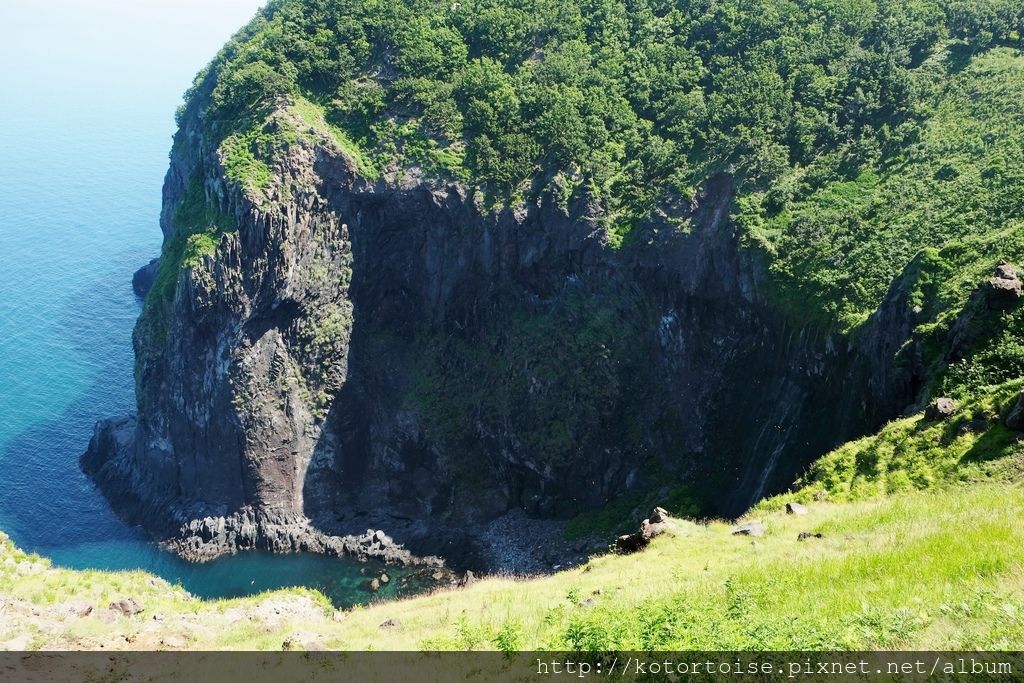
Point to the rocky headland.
(356, 361)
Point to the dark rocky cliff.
(392, 355)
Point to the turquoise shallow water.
(89, 92)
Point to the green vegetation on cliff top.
(862, 131)
(953, 182)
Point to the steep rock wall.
(393, 355)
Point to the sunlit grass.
(921, 570)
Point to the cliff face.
(392, 355)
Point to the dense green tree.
(643, 97)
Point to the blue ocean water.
(88, 95)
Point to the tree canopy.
(635, 95)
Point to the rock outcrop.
(390, 354)
(940, 409)
(755, 528)
(650, 528)
(979, 318)
(142, 280)
(1003, 291)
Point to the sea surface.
(87, 99)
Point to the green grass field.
(939, 569)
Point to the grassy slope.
(912, 453)
(939, 569)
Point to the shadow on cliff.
(714, 387)
(414, 282)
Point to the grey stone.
(940, 409)
(1004, 290)
(650, 529)
(749, 529)
(127, 606)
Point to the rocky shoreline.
(203, 538)
(209, 538)
(511, 544)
